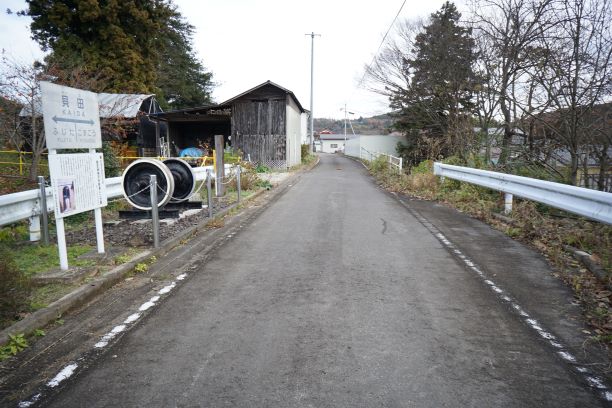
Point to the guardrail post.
(34, 228)
(401, 159)
(507, 203)
(154, 211)
(43, 210)
(238, 182)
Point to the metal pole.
(43, 210)
(219, 166)
(312, 36)
(238, 182)
(209, 191)
(344, 149)
(154, 210)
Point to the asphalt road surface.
(335, 296)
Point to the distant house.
(266, 123)
(332, 143)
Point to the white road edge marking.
(67, 371)
(594, 382)
(62, 375)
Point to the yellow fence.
(18, 159)
(21, 160)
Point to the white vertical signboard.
(78, 182)
(72, 121)
(71, 117)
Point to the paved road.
(335, 296)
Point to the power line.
(379, 46)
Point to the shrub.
(112, 165)
(262, 168)
(14, 289)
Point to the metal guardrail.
(593, 204)
(394, 161)
(26, 204)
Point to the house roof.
(268, 82)
(125, 105)
(110, 105)
(325, 136)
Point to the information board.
(77, 181)
(71, 117)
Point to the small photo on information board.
(78, 182)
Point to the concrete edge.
(90, 290)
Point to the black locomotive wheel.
(136, 180)
(184, 179)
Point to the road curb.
(90, 290)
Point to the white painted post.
(61, 243)
(238, 182)
(61, 234)
(34, 228)
(154, 210)
(401, 162)
(507, 203)
(99, 225)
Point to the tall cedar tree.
(135, 46)
(438, 100)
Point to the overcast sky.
(247, 42)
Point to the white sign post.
(72, 121)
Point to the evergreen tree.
(181, 78)
(134, 46)
(435, 108)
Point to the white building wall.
(375, 144)
(294, 133)
(304, 122)
(326, 146)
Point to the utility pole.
(312, 36)
(346, 119)
(344, 149)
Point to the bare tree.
(510, 28)
(20, 83)
(388, 73)
(576, 76)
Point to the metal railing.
(26, 204)
(593, 204)
(394, 161)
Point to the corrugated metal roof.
(125, 105)
(111, 105)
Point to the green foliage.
(39, 333)
(112, 164)
(16, 344)
(141, 267)
(14, 288)
(264, 184)
(436, 106)
(132, 46)
(379, 164)
(15, 233)
(37, 258)
(262, 168)
(424, 167)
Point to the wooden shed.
(266, 123)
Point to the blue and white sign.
(71, 117)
